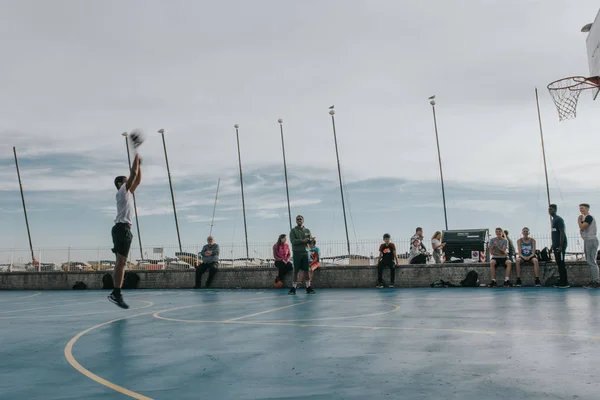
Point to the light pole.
(237, 135)
(287, 190)
(137, 220)
(332, 113)
(432, 102)
(162, 133)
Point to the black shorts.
(500, 261)
(122, 237)
(301, 262)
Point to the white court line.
(267, 311)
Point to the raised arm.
(133, 174)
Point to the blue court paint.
(519, 343)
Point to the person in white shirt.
(121, 231)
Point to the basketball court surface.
(518, 343)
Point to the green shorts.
(301, 262)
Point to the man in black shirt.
(559, 246)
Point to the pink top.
(282, 253)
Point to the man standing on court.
(559, 246)
(587, 228)
(300, 236)
(121, 231)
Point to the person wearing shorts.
(300, 236)
(498, 246)
(314, 260)
(526, 247)
(121, 231)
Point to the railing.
(231, 255)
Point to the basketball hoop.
(565, 93)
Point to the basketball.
(137, 137)
(278, 284)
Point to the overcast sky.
(74, 75)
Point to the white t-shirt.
(124, 205)
(436, 242)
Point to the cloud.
(203, 218)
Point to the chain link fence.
(232, 255)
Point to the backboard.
(593, 50)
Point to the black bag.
(441, 284)
(471, 280)
(544, 254)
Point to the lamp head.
(236, 126)
(125, 134)
(432, 102)
(161, 131)
(280, 121)
(331, 112)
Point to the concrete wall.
(261, 278)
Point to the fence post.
(11, 262)
(39, 266)
(69, 259)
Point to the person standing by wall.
(300, 236)
(437, 246)
(559, 246)
(588, 230)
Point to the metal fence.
(231, 255)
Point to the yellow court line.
(267, 311)
(68, 352)
(71, 360)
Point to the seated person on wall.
(526, 255)
(437, 247)
(418, 236)
(210, 261)
(417, 254)
(387, 259)
(498, 249)
(283, 259)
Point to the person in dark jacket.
(210, 262)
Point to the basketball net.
(565, 93)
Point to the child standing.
(314, 259)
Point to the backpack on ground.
(107, 282)
(471, 280)
(131, 280)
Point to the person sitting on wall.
(526, 255)
(283, 259)
(499, 250)
(418, 236)
(387, 259)
(210, 261)
(437, 247)
(417, 254)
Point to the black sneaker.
(292, 291)
(118, 300)
(309, 290)
(379, 285)
(508, 283)
(592, 285)
(537, 282)
(391, 286)
(562, 285)
(492, 284)
(519, 283)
